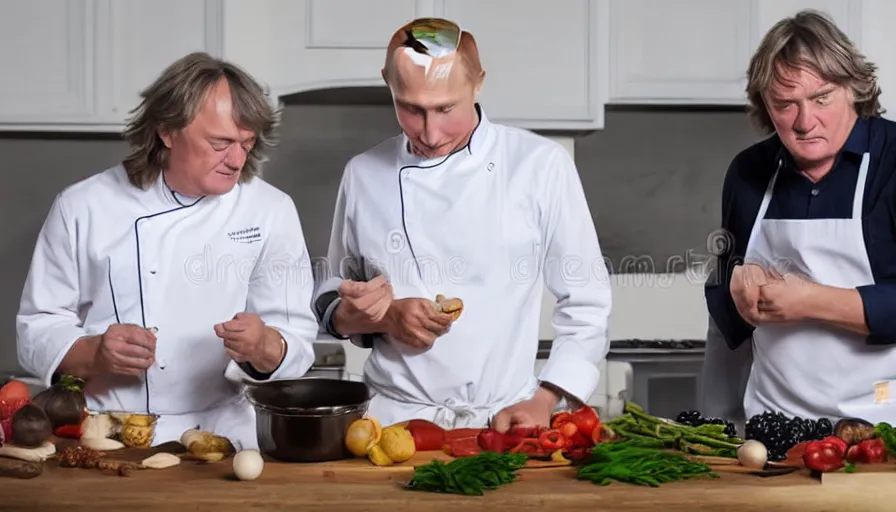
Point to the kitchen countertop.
(308, 487)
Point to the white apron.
(814, 370)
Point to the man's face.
(207, 156)
(435, 107)
(813, 117)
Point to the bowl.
(306, 420)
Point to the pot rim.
(311, 412)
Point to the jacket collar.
(474, 146)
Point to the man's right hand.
(362, 307)
(125, 349)
(416, 322)
(745, 282)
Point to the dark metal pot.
(305, 420)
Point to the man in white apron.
(459, 206)
(152, 279)
(811, 213)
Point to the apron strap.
(860, 187)
(763, 207)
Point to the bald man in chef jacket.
(459, 206)
(163, 279)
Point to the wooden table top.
(284, 486)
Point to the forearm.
(842, 307)
(80, 361)
(272, 354)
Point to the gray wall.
(653, 179)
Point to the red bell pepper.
(68, 431)
(559, 419)
(568, 429)
(822, 456)
(530, 447)
(552, 440)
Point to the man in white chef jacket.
(459, 206)
(152, 278)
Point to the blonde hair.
(173, 101)
(810, 40)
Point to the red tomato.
(586, 419)
(15, 390)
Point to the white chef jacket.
(111, 253)
(490, 224)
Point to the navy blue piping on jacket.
(404, 226)
(140, 275)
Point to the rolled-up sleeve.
(879, 302)
(47, 323)
(576, 274)
(280, 293)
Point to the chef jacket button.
(161, 364)
(814, 191)
(152, 271)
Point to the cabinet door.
(541, 59)
(847, 14)
(878, 39)
(296, 46)
(142, 39)
(47, 63)
(687, 51)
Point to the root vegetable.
(752, 454)
(63, 402)
(161, 461)
(853, 430)
(361, 435)
(20, 468)
(30, 427)
(248, 465)
(39, 454)
(101, 444)
(97, 426)
(398, 444)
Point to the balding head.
(434, 73)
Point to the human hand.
(248, 340)
(786, 300)
(745, 283)
(126, 349)
(363, 306)
(416, 322)
(534, 412)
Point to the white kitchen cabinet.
(79, 65)
(47, 61)
(697, 52)
(544, 77)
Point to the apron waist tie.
(456, 413)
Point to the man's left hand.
(248, 340)
(786, 299)
(535, 412)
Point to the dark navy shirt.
(796, 197)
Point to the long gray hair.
(173, 101)
(810, 40)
